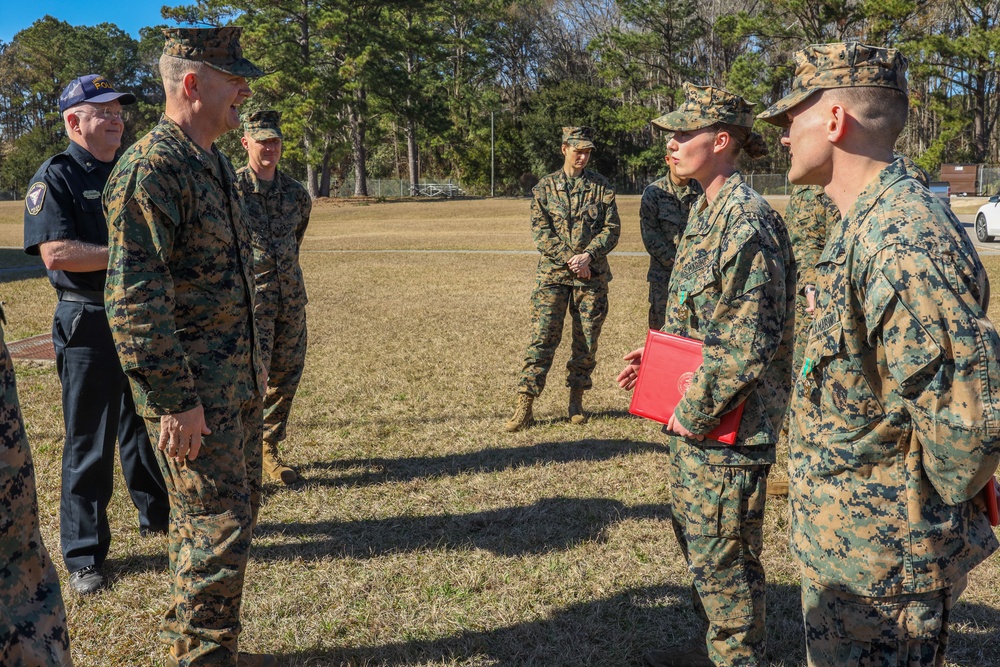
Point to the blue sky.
(129, 15)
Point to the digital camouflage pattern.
(808, 216)
(214, 502)
(572, 216)
(717, 515)
(218, 47)
(261, 125)
(180, 290)
(663, 213)
(733, 287)
(839, 65)
(893, 421)
(569, 217)
(179, 298)
(588, 307)
(278, 213)
(915, 170)
(578, 137)
(32, 616)
(705, 106)
(906, 630)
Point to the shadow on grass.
(382, 470)
(609, 632)
(136, 564)
(15, 265)
(550, 524)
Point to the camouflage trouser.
(32, 616)
(281, 328)
(845, 630)
(657, 304)
(717, 516)
(213, 508)
(588, 306)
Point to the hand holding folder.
(668, 365)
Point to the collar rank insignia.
(35, 197)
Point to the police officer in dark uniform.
(64, 223)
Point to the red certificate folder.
(990, 497)
(668, 364)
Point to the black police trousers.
(97, 410)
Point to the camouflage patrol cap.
(839, 65)
(578, 137)
(705, 106)
(261, 125)
(217, 47)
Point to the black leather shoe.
(152, 531)
(87, 580)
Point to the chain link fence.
(394, 187)
(989, 181)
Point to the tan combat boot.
(275, 468)
(576, 415)
(522, 414)
(777, 486)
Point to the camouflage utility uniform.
(32, 617)
(180, 302)
(662, 216)
(810, 213)
(733, 287)
(278, 213)
(882, 395)
(569, 216)
(893, 420)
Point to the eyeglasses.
(106, 114)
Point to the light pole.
(492, 155)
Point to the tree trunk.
(412, 157)
(357, 124)
(312, 180)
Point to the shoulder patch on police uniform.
(33, 200)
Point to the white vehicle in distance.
(988, 220)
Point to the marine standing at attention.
(808, 216)
(575, 224)
(733, 288)
(893, 419)
(180, 297)
(663, 213)
(277, 208)
(64, 223)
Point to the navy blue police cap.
(91, 88)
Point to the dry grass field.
(423, 534)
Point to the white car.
(988, 220)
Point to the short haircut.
(172, 71)
(882, 112)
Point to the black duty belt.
(82, 296)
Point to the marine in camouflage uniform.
(179, 298)
(892, 419)
(32, 616)
(732, 287)
(808, 216)
(278, 208)
(571, 217)
(663, 213)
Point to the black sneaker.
(87, 580)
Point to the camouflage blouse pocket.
(845, 399)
